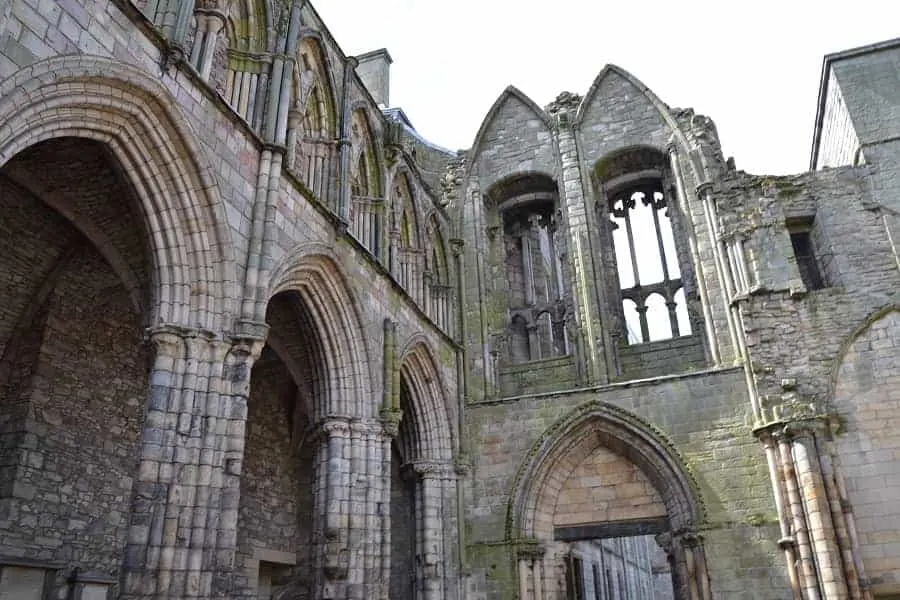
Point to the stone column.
(818, 514)
(687, 559)
(591, 344)
(334, 473)
(433, 481)
(182, 531)
(210, 20)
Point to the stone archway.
(601, 472)
(77, 270)
(423, 486)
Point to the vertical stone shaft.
(685, 214)
(574, 205)
(818, 516)
(845, 545)
(808, 577)
(787, 542)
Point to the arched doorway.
(604, 509)
(276, 522)
(423, 484)
(75, 259)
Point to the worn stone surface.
(259, 337)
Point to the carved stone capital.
(334, 427)
(390, 422)
(565, 102)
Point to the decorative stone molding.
(451, 180)
(564, 102)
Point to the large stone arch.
(625, 434)
(132, 114)
(660, 493)
(313, 273)
(865, 393)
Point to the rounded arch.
(860, 330)
(636, 161)
(315, 276)
(432, 434)
(621, 432)
(134, 117)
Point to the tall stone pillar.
(182, 530)
(590, 341)
(332, 479)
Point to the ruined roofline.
(827, 61)
(374, 54)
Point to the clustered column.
(182, 531)
(817, 527)
(687, 559)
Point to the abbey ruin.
(261, 340)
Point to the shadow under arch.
(312, 273)
(135, 116)
(623, 433)
(594, 425)
(434, 435)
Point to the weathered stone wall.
(707, 418)
(72, 491)
(277, 481)
(867, 396)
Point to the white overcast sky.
(753, 67)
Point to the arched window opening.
(526, 210)
(406, 253)
(366, 203)
(681, 313)
(643, 238)
(313, 125)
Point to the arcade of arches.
(260, 340)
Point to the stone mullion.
(818, 515)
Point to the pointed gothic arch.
(509, 95)
(670, 504)
(432, 431)
(134, 116)
(313, 274)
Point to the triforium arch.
(366, 183)
(244, 77)
(313, 119)
(121, 107)
(674, 509)
(405, 233)
(423, 480)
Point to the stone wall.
(866, 398)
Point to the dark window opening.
(805, 254)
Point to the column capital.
(529, 549)
(334, 426)
(431, 469)
(390, 422)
